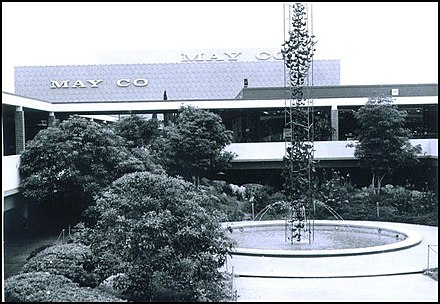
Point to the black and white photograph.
(220, 151)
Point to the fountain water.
(295, 226)
(299, 229)
(335, 214)
(299, 232)
(265, 238)
(263, 211)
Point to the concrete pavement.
(399, 288)
(388, 276)
(394, 276)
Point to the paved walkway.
(381, 277)
(400, 288)
(388, 276)
(17, 248)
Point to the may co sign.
(123, 83)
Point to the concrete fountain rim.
(412, 239)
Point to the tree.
(383, 142)
(155, 230)
(65, 166)
(137, 130)
(192, 147)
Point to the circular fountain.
(325, 238)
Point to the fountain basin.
(406, 238)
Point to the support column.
(51, 119)
(334, 119)
(20, 138)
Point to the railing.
(62, 235)
(234, 294)
(432, 251)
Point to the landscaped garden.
(144, 232)
(147, 208)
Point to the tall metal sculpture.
(298, 167)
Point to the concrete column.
(20, 138)
(51, 119)
(334, 119)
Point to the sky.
(376, 42)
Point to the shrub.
(432, 273)
(37, 250)
(157, 233)
(73, 261)
(393, 204)
(334, 196)
(227, 205)
(46, 287)
(258, 194)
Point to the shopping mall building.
(247, 88)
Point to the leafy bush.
(410, 206)
(37, 250)
(258, 194)
(432, 273)
(46, 287)
(393, 204)
(276, 207)
(225, 203)
(73, 261)
(333, 196)
(156, 231)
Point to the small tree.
(383, 142)
(193, 146)
(156, 231)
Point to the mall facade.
(247, 88)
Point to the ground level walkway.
(18, 246)
(399, 288)
(395, 276)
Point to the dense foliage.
(383, 141)
(228, 206)
(192, 147)
(156, 230)
(159, 237)
(73, 261)
(65, 166)
(137, 130)
(337, 198)
(47, 287)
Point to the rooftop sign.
(191, 56)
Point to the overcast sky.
(377, 43)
